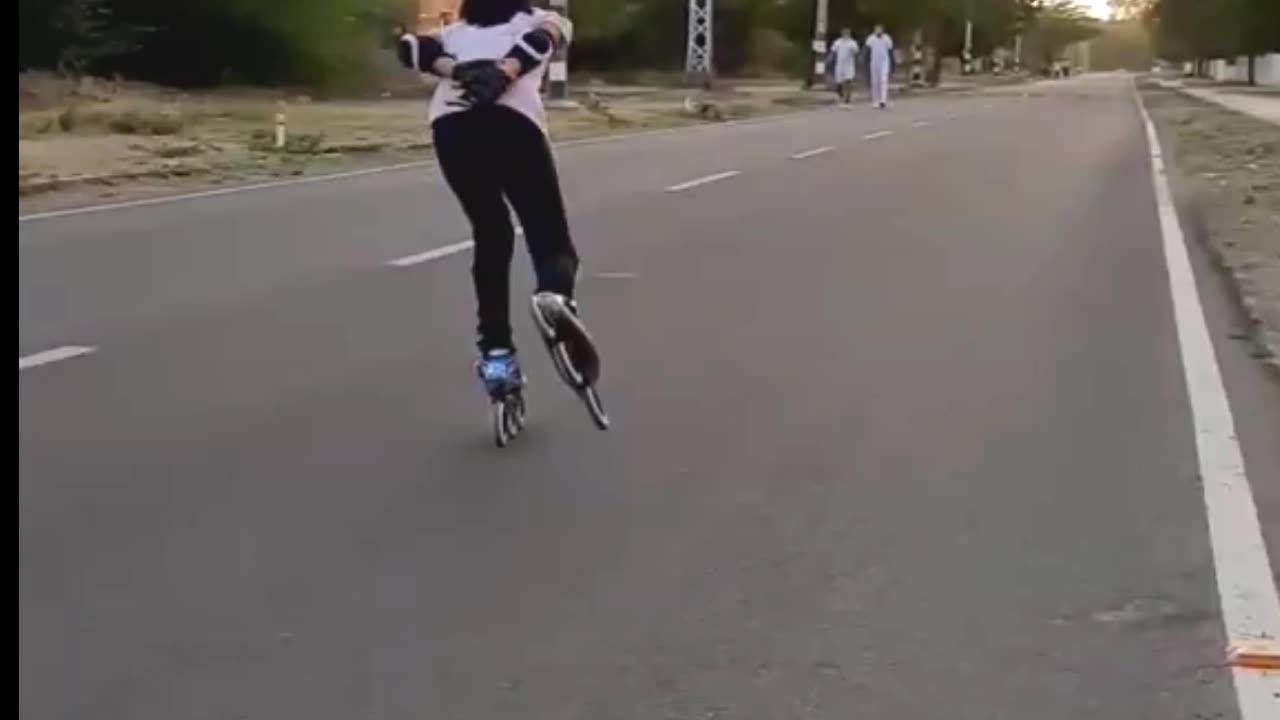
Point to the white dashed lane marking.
(58, 354)
(812, 153)
(704, 180)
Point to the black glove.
(419, 52)
(482, 82)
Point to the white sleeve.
(561, 23)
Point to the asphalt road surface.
(900, 431)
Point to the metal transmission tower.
(697, 58)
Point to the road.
(900, 431)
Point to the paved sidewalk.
(1262, 105)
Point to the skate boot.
(567, 339)
(500, 372)
(572, 350)
(504, 382)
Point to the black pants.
(493, 154)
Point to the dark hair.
(487, 13)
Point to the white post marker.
(1246, 585)
(282, 133)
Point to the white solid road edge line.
(432, 254)
(232, 190)
(66, 352)
(813, 153)
(702, 181)
(1246, 586)
(877, 134)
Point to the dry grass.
(1228, 172)
(114, 134)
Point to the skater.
(488, 127)
(844, 58)
(880, 62)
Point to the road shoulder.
(1225, 175)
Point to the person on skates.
(489, 131)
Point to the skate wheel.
(516, 411)
(595, 407)
(513, 416)
(560, 358)
(501, 427)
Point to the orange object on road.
(1257, 656)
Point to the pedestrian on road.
(489, 130)
(880, 61)
(844, 57)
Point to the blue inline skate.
(504, 382)
(573, 352)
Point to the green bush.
(177, 151)
(134, 122)
(69, 118)
(294, 144)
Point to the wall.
(1266, 70)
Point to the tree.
(1059, 24)
(1122, 44)
(1129, 9)
(1201, 29)
(88, 34)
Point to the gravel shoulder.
(1225, 171)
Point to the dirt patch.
(1226, 171)
(108, 140)
(95, 139)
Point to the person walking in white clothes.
(844, 56)
(880, 59)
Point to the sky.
(1097, 8)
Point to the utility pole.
(697, 58)
(558, 69)
(966, 56)
(820, 42)
(917, 59)
(1021, 15)
(966, 66)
